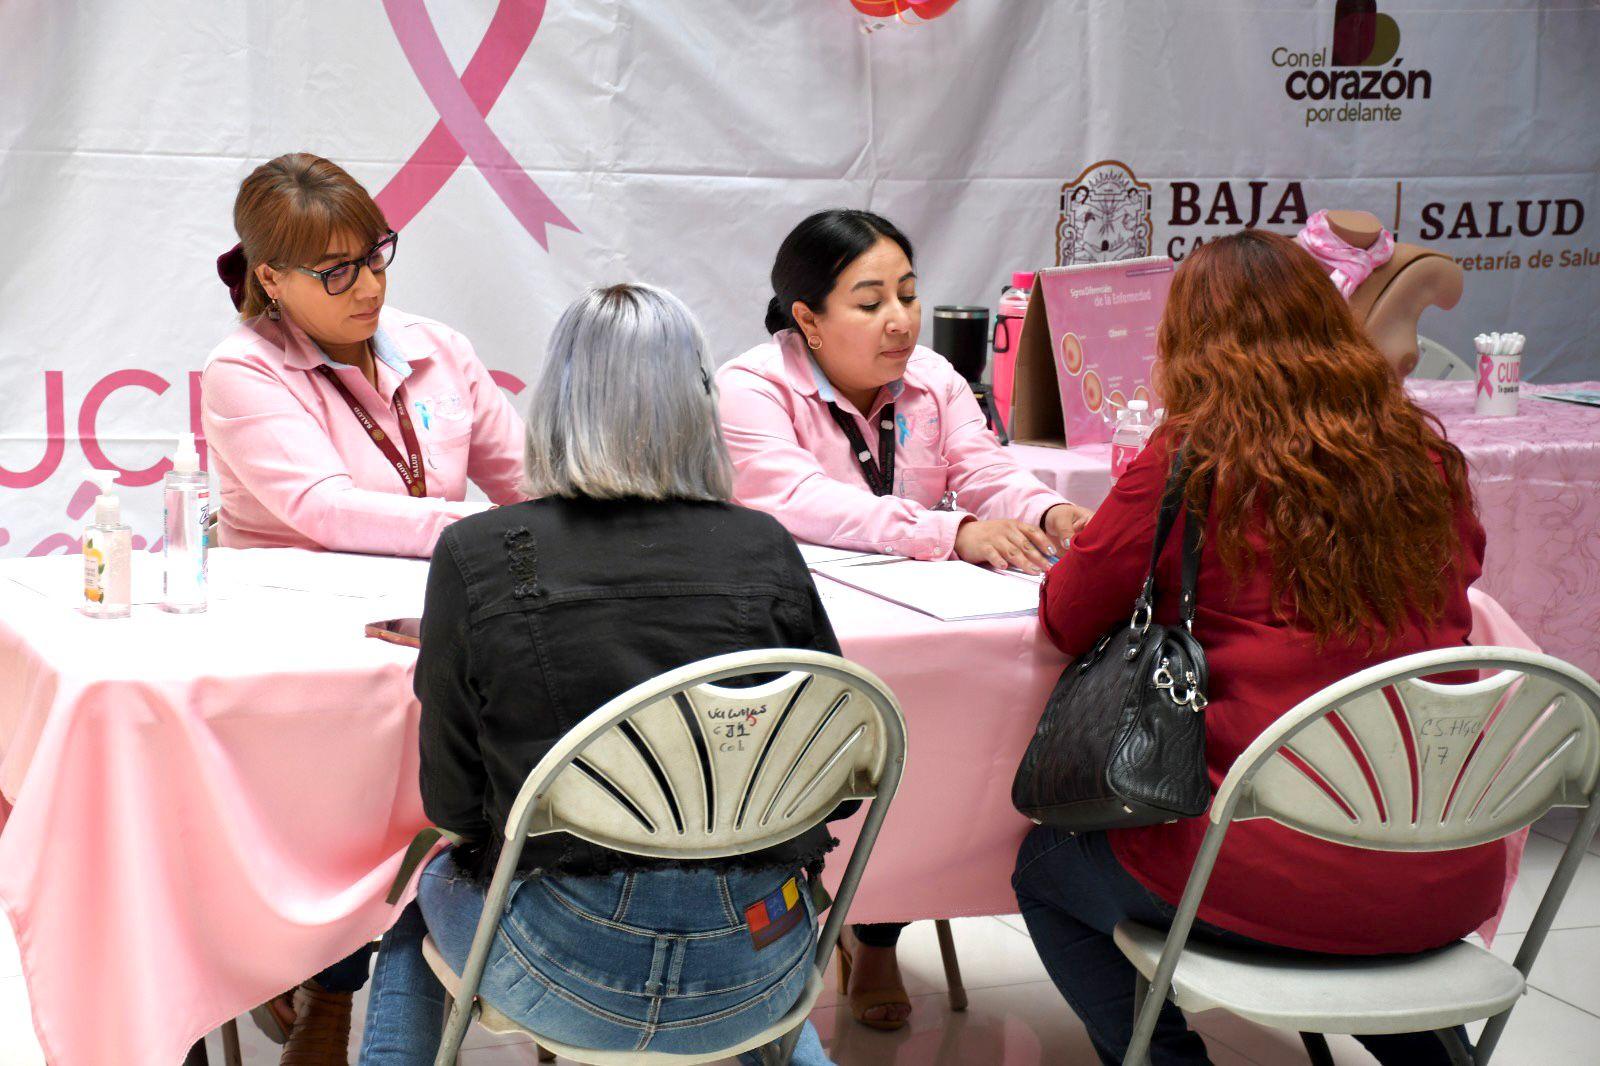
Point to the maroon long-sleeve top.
(1270, 882)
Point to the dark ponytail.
(816, 252)
(778, 318)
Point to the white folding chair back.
(685, 767)
(1389, 761)
(1435, 362)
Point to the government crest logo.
(1105, 216)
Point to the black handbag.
(1122, 741)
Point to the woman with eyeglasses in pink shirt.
(855, 437)
(337, 423)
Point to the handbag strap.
(1193, 525)
(1172, 498)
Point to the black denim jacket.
(539, 613)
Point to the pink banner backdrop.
(463, 103)
(493, 132)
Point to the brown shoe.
(321, 1033)
(887, 1008)
(275, 1017)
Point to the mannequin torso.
(1392, 300)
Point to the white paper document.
(235, 571)
(366, 577)
(815, 554)
(949, 590)
(60, 577)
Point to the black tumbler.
(961, 335)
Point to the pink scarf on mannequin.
(1347, 265)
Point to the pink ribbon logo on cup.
(1485, 375)
(462, 103)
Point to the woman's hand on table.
(1063, 521)
(1005, 544)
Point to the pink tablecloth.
(952, 835)
(1537, 479)
(204, 808)
(208, 809)
(1082, 474)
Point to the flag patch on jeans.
(768, 919)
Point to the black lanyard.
(879, 474)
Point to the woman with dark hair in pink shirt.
(853, 436)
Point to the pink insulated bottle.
(1007, 336)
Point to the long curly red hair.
(1304, 435)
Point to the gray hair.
(625, 405)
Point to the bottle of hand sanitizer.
(107, 556)
(185, 515)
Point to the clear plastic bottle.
(1134, 426)
(107, 557)
(185, 518)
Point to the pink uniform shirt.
(297, 470)
(793, 461)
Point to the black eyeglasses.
(338, 278)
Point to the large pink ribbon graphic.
(1485, 375)
(462, 103)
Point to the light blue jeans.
(658, 960)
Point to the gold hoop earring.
(814, 343)
(274, 311)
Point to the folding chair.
(1388, 761)
(1435, 362)
(658, 772)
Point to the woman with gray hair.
(630, 561)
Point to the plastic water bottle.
(186, 517)
(1134, 427)
(1007, 337)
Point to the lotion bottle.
(107, 556)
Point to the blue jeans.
(658, 960)
(1073, 892)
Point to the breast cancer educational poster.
(1103, 319)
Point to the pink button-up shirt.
(791, 459)
(297, 470)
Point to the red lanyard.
(409, 468)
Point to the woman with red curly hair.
(1340, 533)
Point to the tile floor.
(1016, 1018)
